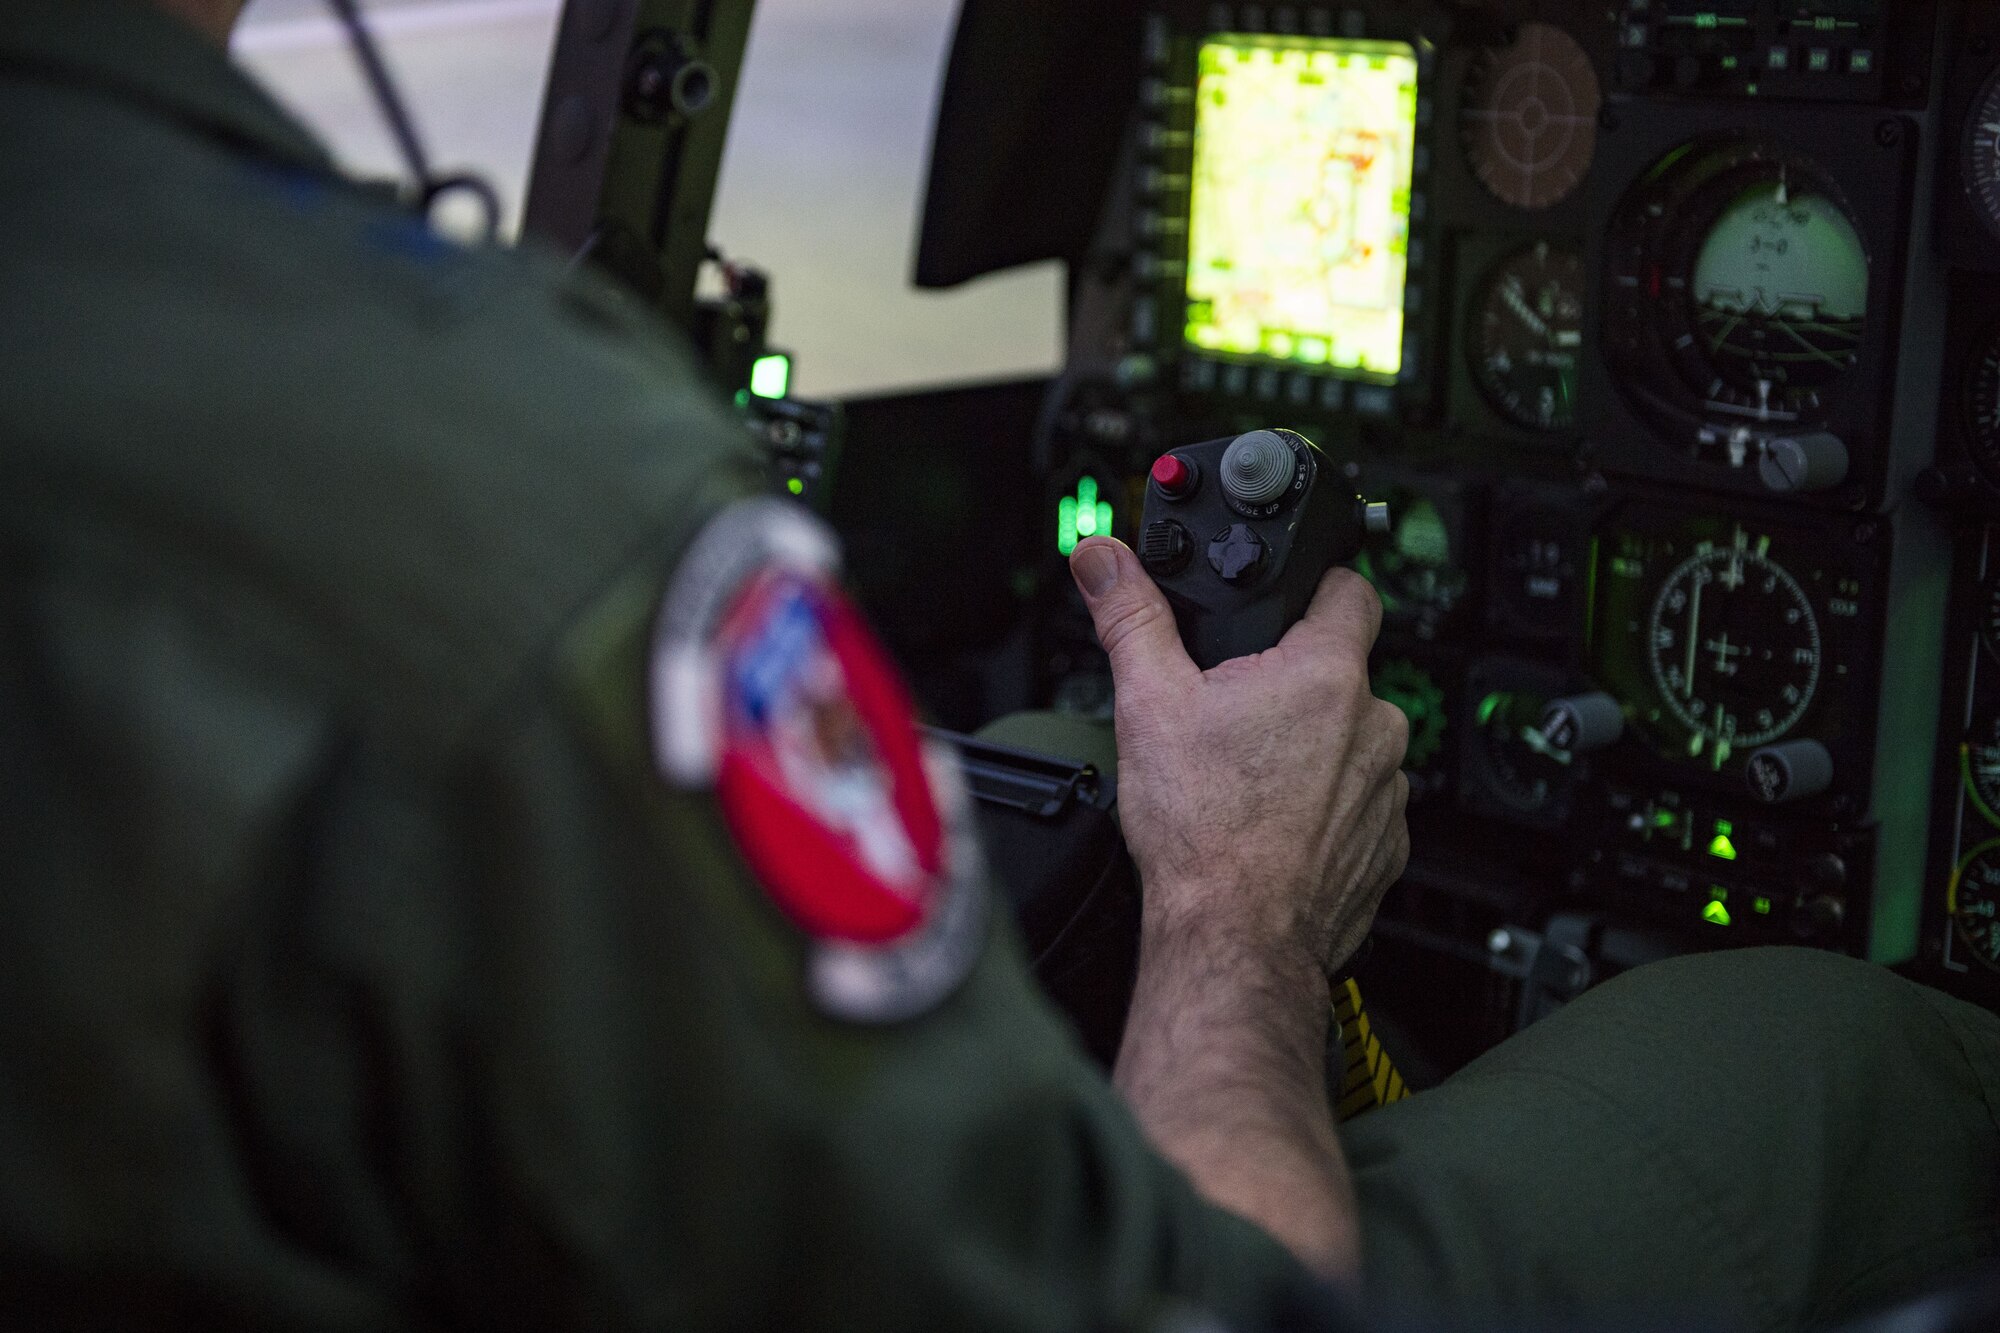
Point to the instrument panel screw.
(1889, 133)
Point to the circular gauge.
(1529, 120)
(1523, 770)
(1982, 155)
(1737, 293)
(1734, 649)
(1982, 406)
(1409, 687)
(1527, 334)
(1980, 765)
(1974, 902)
(1413, 570)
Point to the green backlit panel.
(1299, 227)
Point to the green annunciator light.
(795, 486)
(1716, 914)
(771, 375)
(1723, 846)
(1081, 515)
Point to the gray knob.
(1792, 771)
(1794, 464)
(1258, 468)
(1583, 723)
(1375, 516)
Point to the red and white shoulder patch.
(768, 689)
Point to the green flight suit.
(360, 970)
(1764, 1138)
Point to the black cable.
(403, 127)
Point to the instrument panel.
(1667, 331)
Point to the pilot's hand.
(1263, 800)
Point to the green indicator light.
(1724, 829)
(1717, 893)
(1663, 819)
(1722, 848)
(771, 376)
(795, 486)
(1715, 914)
(1762, 906)
(1488, 707)
(1081, 515)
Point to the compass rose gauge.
(1734, 650)
(1973, 901)
(1982, 155)
(1529, 119)
(1527, 336)
(1737, 293)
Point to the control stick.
(1238, 533)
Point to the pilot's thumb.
(1133, 620)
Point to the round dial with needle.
(1982, 155)
(1527, 336)
(1980, 765)
(1734, 649)
(1973, 899)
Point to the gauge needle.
(1518, 303)
(1535, 740)
(1694, 630)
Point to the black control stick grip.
(1238, 532)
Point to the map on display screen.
(1298, 236)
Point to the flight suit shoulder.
(407, 463)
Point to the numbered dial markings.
(1527, 336)
(1974, 902)
(1982, 407)
(1981, 766)
(1734, 649)
(1982, 156)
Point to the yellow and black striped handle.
(1369, 1079)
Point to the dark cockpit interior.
(1664, 329)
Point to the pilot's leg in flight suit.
(1775, 1135)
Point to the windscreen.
(1298, 235)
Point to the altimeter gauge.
(1526, 337)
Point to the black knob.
(1583, 723)
(1822, 917)
(1792, 771)
(1799, 464)
(1165, 547)
(1236, 553)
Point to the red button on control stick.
(1173, 476)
